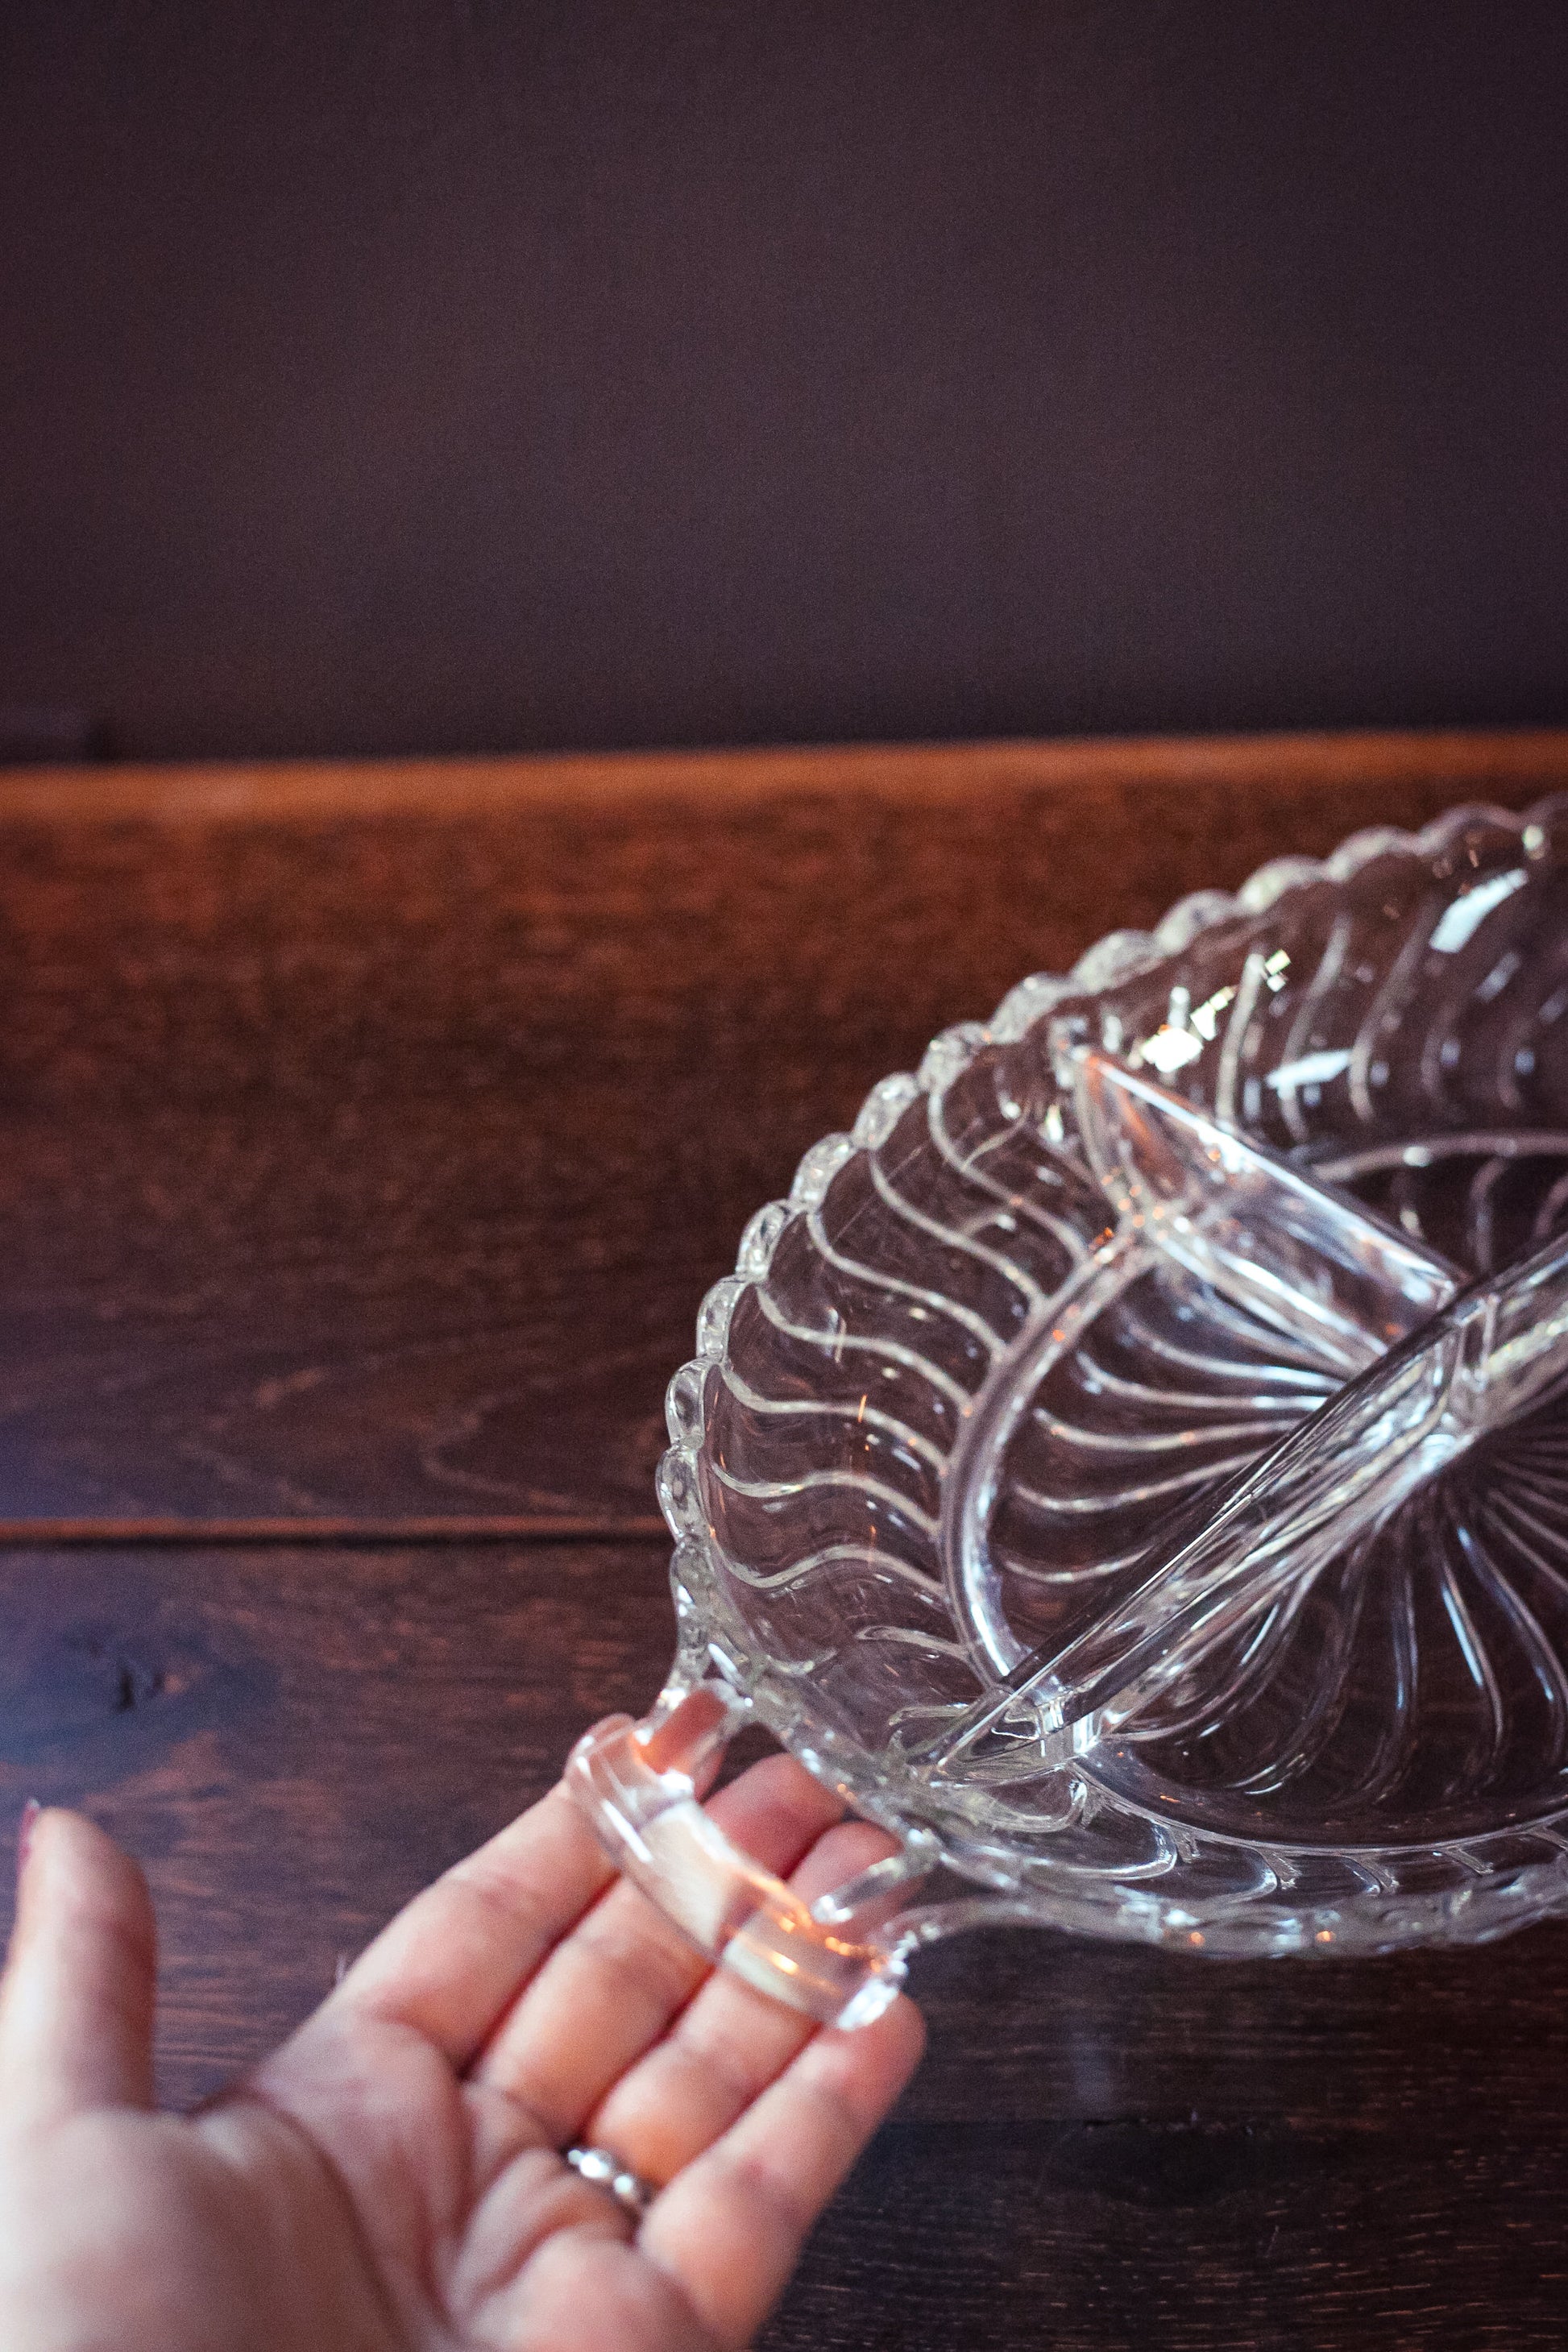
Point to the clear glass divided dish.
(1132, 1465)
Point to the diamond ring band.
(604, 2169)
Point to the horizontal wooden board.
(294, 1738)
(1106, 2146)
(1244, 2238)
(293, 1742)
(368, 1136)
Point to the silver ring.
(604, 2169)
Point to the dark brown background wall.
(414, 375)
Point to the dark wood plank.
(295, 1738)
(366, 1139)
(1034, 2027)
(369, 1135)
(1114, 2238)
(383, 1314)
(294, 1742)
(1106, 2146)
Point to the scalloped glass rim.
(1519, 1873)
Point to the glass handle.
(638, 1784)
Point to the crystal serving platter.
(1133, 1466)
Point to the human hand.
(391, 2180)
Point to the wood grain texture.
(294, 1742)
(367, 1139)
(369, 1136)
(1115, 2237)
(1106, 2146)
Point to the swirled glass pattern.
(951, 1406)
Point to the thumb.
(76, 2001)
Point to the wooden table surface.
(368, 1136)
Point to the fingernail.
(31, 1812)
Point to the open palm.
(392, 2178)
